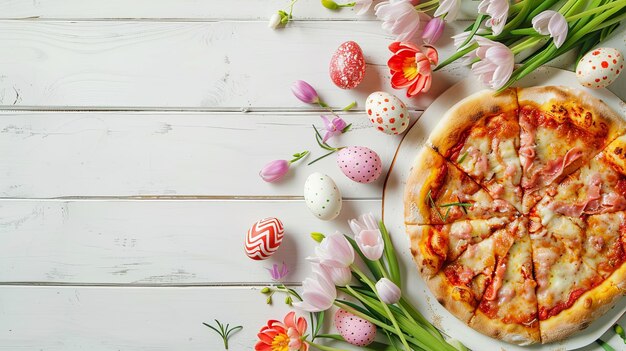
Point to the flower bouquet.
(365, 269)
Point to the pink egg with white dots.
(387, 113)
(361, 164)
(354, 330)
(599, 67)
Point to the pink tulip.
(388, 291)
(333, 127)
(361, 6)
(368, 236)
(318, 293)
(433, 30)
(340, 276)
(305, 92)
(335, 251)
(399, 18)
(498, 10)
(274, 170)
(450, 8)
(552, 23)
(496, 63)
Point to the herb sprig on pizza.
(516, 212)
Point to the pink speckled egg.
(347, 66)
(599, 67)
(359, 163)
(387, 113)
(355, 330)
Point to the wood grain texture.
(95, 319)
(155, 242)
(187, 9)
(220, 65)
(60, 154)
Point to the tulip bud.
(433, 30)
(620, 331)
(274, 170)
(388, 291)
(269, 300)
(288, 300)
(274, 21)
(305, 92)
(265, 290)
(318, 237)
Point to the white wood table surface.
(132, 133)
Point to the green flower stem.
(322, 104)
(367, 281)
(322, 347)
(544, 5)
(382, 269)
(528, 43)
(457, 56)
(567, 6)
(595, 10)
(419, 318)
(350, 4)
(390, 255)
(426, 4)
(604, 345)
(611, 22)
(298, 156)
(349, 107)
(520, 17)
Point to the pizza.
(515, 210)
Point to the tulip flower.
(496, 63)
(333, 127)
(449, 8)
(335, 251)
(552, 23)
(433, 30)
(283, 336)
(340, 276)
(306, 93)
(368, 236)
(388, 291)
(361, 6)
(318, 293)
(277, 169)
(410, 67)
(399, 18)
(278, 274)
(498, 10)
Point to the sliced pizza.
(437, 192)
(432, 246)
(460, 285)
(508, 309)
(560, 130)
(480, 135)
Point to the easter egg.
(354, 330)
(359, 163)
(599, 67)
(347, 66)
(264, 238)
(387, 113)
(322, 196)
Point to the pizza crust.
(589, 306)
(427, 169)
(457, 300)
(454, 124)
(587, 112)
(511, 333)
(424, 259)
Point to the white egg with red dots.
(387, 113)
(322, 196)
(599, 67)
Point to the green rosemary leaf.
(462, 158)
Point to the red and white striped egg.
(387, 113)
(599, 67)
(354, 330)
(347, 66)
(264, 238)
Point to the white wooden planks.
(60, 154)
(97, 318)
(152, 242)
(188, 9)
(225, 65)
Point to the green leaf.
(604, 345)
(462, 158)
(475, 28)
(390, 256)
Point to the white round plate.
(393, 213)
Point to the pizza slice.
(560, 130)
(480, 135)
(437, 193)
(563, 278)
(604, 249)
(460, 285)
(597, 187)
(508, 309)
(432, 246)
